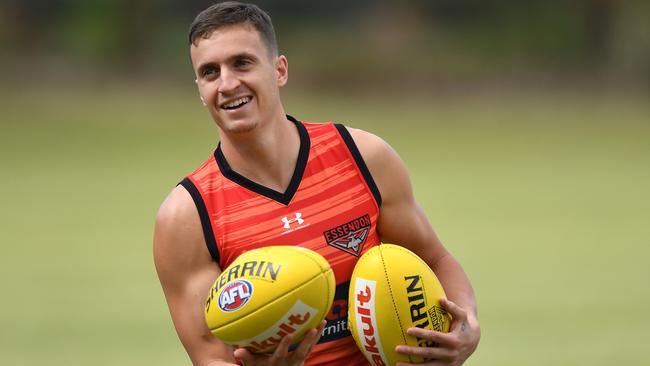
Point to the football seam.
(431, 271)
(323, 271)
(311, 256)
(392, 298)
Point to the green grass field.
(544, 199)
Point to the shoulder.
(177, 209)
(383, 162)
(371, 146)
(178, 236)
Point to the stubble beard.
(244, 128)
(239, 128)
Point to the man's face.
(237, 78)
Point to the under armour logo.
(287, 222)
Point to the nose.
(229, 81)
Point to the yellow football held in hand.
(391, 290)
(268, 293)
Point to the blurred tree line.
(340, 42)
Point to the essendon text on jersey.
(260, 269)
(350, 236)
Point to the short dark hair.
(232, 13)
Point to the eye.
(241, 63)
(209, 72)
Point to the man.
(276, 180)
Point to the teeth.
(237, 103)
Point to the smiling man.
(276, 180)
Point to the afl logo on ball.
(234, 295)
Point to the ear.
(282, 70)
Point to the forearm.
(219, 363)
(456, 283)
(206, 350)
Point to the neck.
(266, 155)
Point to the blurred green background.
(525, 127)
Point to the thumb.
(243, 354)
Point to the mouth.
(236, 104)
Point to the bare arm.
(186, 272)
(403, 222)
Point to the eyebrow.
(240, 55)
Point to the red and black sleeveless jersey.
(330, 206)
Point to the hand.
(453, 347)
(281, 356)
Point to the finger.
(241, 353)
(246, 356)
(283, 349)
(436, 353)
(456, 311)
(430, 363)
(448, 340)
(308, 342)
(459, 315)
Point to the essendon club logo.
(351, 236)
